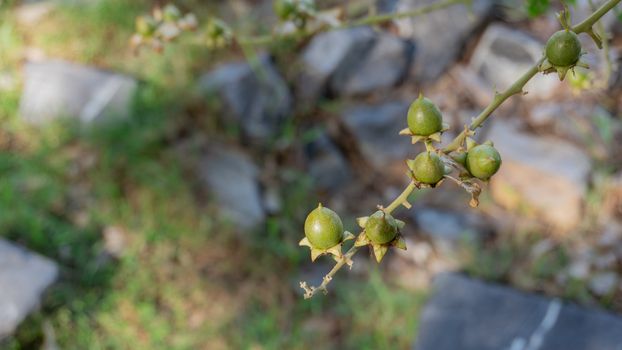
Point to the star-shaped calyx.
(324, 233)
(380, 231)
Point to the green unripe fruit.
(424, 118)
(171, 13)
(323, 228)
(483, 161)
(285, 9)
(146, 25)
(459, 157)
(428, 168)
(563, 48)
(381, 228)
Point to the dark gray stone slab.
(376, 128)
(329, 53)
(24, 276)
(383, 66)
(353, 61)
(257, 99)
(58, 89)
(467, 314)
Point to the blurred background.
(156, 200)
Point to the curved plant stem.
(401, 198)
(499, 98)
(516, 88)
(586, 25)
(369, 20)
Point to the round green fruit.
(323, 228)
(428, 168)
(424, 118)
(563, 49)
(381, 228)
(483, 161)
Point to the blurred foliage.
(536, 8)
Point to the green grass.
(186, 279)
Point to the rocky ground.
(318, 121)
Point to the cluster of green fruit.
(324, 232)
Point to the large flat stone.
(329, 53)
(545, 175)
(467, 314)
(24, 276)
(385, 65)
(352, 62)
(58, 89)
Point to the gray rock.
(450, 225)
(329, 53)
(440, 36)
(24, 276)
(376, 128)
(57, 89)
(231, 177)
(352, 62)
(327, 166)
(504, 54)
(257, 100)
(382, 67)
(468, 314)
(543, 174)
